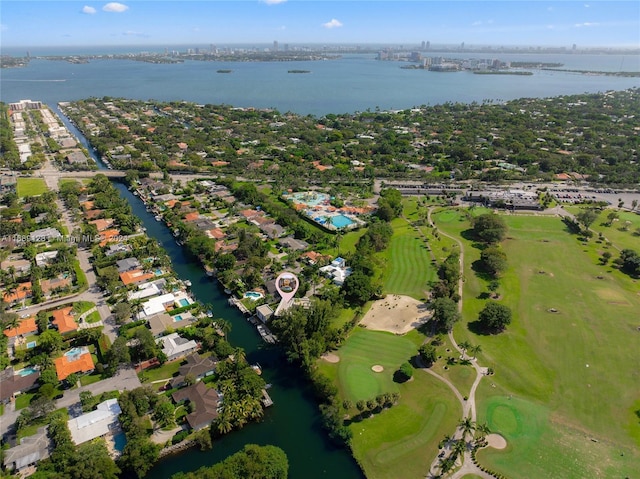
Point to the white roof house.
(156, 305)
(145, 290)
(175, 346)
(95, 423)
(44, 234)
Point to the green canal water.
(292, 423)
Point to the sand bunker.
(331, 358)
(376, 368)
(496, 441)
(396, 314)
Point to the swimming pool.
(158, 272)
(341, 221)
(119, 441)
(27, 371)
(31, 344)
(177, 317)
(309, 198)
(74, 352)
(183, 302)
(254, 295)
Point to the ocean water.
(355, 82)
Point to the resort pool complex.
(341, 221)
(26, 372)
(254, 295)
(183, 302)
(309, 198)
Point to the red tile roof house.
(74, 362)
(64, 320)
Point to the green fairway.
(402, 441)
(30, 187)
(572, 371)
(365, 349)
(408, 268)
(406, 436)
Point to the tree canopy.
(489, 228)
(495, 317)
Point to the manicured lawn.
(557, 366)
(93, 317)
(23, 400)
(364, 349)
(166, 371)
(402, 441)
(404, 437)
(80, 307)
(90, 379)
(31, 187)
(408, 267)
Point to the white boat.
(158, 218)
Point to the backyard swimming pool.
(119, 441)
(177, 317)
(341, 221)
(254, 295)
(74, 352)
(27, 371)
(183, 302)
(31, 344)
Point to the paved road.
(125, 379)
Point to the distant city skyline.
(172, 23)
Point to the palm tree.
(459, 448)
(467, 426)
(475, 350)
(223, 326)
(223, 424)
(482, 429)
(464, 345)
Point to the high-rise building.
(286, 47)
(428, 45)
(424, 44)
(275, 45)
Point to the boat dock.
(238, 304)
(266, 334)
(266, 399)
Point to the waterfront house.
(145, 290)
(29, 452)
(175, 346)
(156, 305)
(76, 360)
(197, 366)
(264, 312)
(102, 224)
(97, 423)
(109, 236)
(127, 264)
(135, 276)
(204, 402)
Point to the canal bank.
(293, 423)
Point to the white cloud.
(115, 7)
(88, 10)
(273, 2)
(475, 24)
(586, 24)
(332, 24)
(586, 5)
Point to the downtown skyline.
(613, 24)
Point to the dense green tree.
(495, 317)
(428, 354)
(445, 313)
(489, 228)
(494, 260)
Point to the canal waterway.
(292, 423)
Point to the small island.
(224, 71)
(299, 71)
(502, 72)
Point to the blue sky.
(203, 22)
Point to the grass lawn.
(402, 441)
(90, 379)
(80, 307)
(408, 268)
(364, 349)
(31, 187)
(23, 400)
(93, 317)
(166, 371)
(557, 366)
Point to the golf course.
(564, 390)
